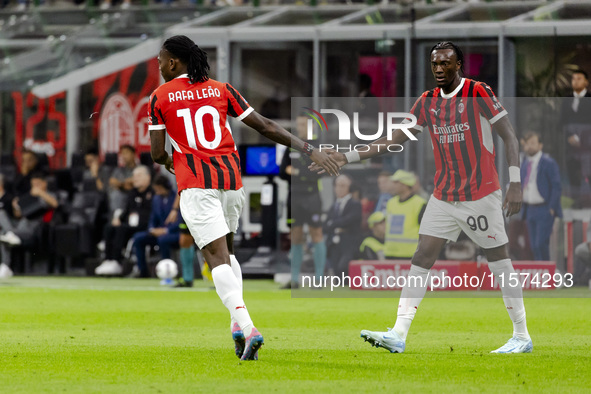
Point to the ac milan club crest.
(461, 107)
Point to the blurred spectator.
(22, 4)
(369, 105)
(5, 198)
(5, 210)
(161, 233)
(385, 187)
(134, 217)
(304, 207)
(30, 212)
(29, 165)
(106, 4)
(120, 181)
(372, 247)
(186, 244)
(575, 118)
(95, 171)
(582, 274)
(541, 195)
(342, 226)
(418, 188)
(404, 213)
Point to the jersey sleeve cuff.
(157, 127)
(498, 116)
(245, 113)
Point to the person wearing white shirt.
(541, 195)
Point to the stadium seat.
(8, 169)
(76, 170)
(77, 237)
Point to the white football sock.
(236, 269)
(238, 273)
(230, 293)
(512, 296)
(410, 299)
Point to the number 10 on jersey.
(185, 113)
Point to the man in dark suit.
(343, 227)
(541, 195)
(575, 119)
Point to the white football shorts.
(211, 213)
(482, 220)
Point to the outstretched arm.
(376, 148)
(278, 134)
(504, 129)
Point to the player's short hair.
(579, 71)
(162, 181)
(532, 134)
(128, 147)
(456, 49)
(385, 173)
(183, 48)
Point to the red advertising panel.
(120, 107)
(39, 125)
(450, 275)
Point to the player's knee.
(297, 239)
(496, 254)
(185, 241)
(317, 236)
(424, 258)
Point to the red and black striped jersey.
(195, 117)
(461, 134)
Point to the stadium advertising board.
(120, 107)
(39, 125)
(451, 275)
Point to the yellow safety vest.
(402, 226)
(373, 244)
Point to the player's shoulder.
(224, 87)
(429, 93)
(214, 83)
(479, 85)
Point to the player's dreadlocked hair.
(188, 52)
(456, 49)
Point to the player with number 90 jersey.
(195, 116)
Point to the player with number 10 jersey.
(196, 118)
(194, 110)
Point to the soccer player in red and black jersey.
(193, 110)
(459, 115)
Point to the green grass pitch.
(80, 335)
